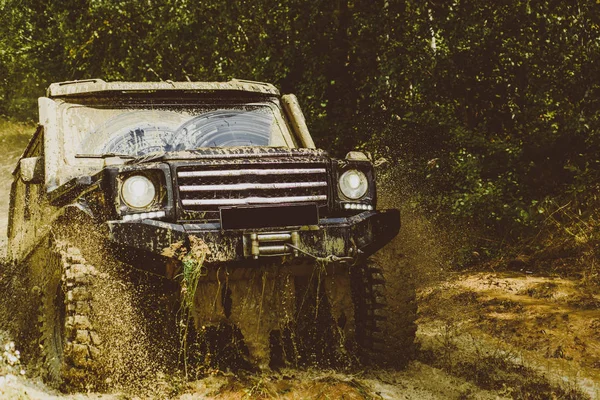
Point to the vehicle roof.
(98, 86)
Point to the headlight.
(353, 184)
(138, 191)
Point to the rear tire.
(385, 331)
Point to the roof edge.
(93, 86)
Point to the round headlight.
(353, 184)
(138, 191)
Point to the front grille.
(207, 187)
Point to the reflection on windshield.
(226, 128)
(143, 132)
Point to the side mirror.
(32, 169)
(359, 155)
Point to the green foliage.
(491, 109)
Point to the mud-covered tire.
(69, 344)
(385, 330)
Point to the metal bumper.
(364, 234)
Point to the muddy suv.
(218, 188)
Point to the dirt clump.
(544, 290)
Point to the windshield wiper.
(105, 155)
(131, 159)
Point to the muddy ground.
(481, 335)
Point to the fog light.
(148, 215)
(357, 206)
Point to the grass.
(14, 136)
(192, 269)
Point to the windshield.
(137, 132)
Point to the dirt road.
(515, 332)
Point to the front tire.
(69, 342)
(385, 331)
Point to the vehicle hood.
(230, 153)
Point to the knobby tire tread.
(385, 334)
(69, 342)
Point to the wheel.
(385, 331)
(69, 343)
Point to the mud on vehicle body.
(220, 181)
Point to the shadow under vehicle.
(217, 189)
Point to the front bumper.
(362, 234)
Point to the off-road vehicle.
(217, 187)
